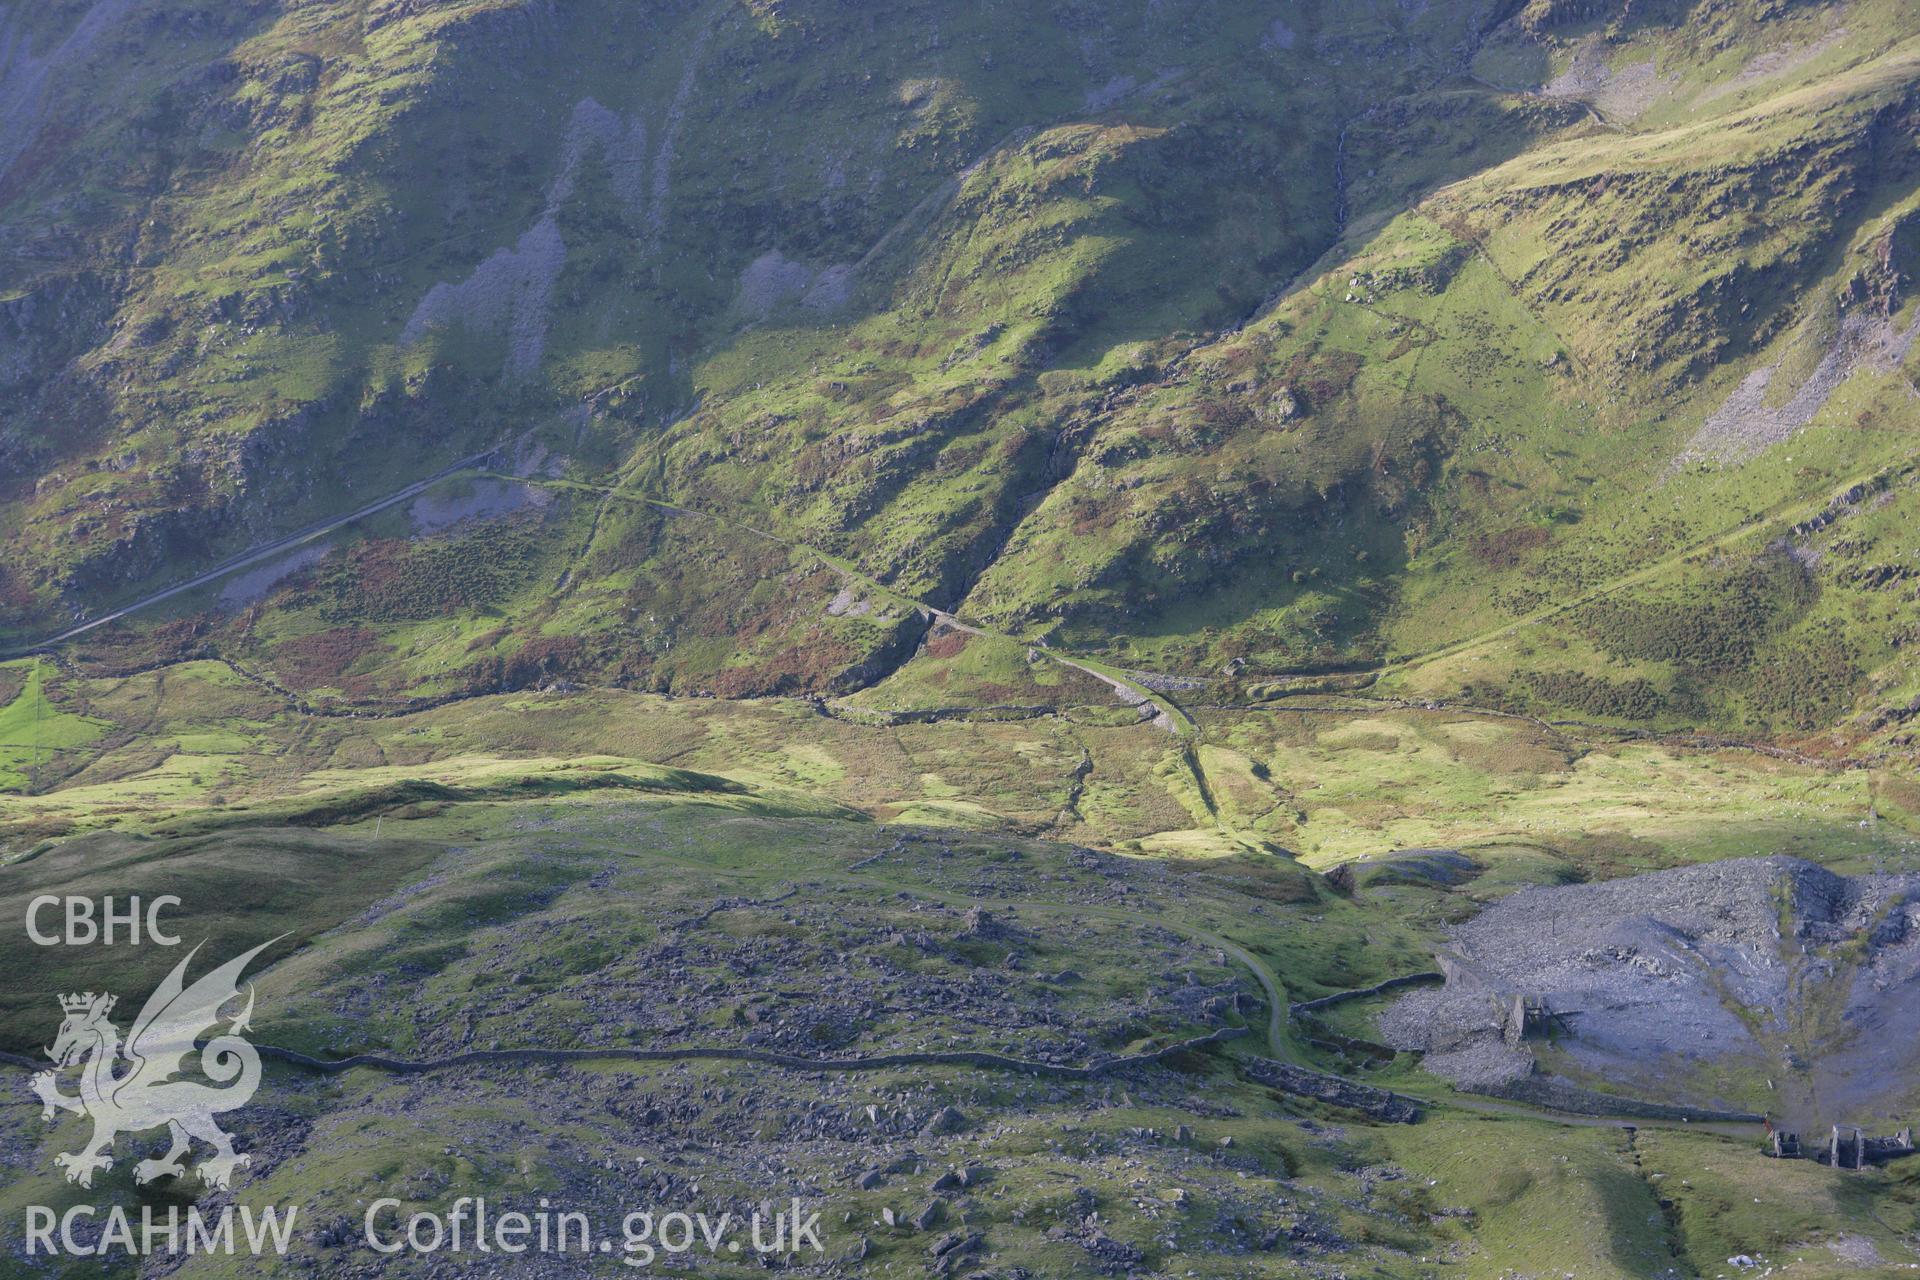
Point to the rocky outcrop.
(1379, 1104)
(1558, 1095)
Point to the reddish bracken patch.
(552, 653)
(948, 644)
(118, 649)
(1509, 547)
(1323, 374)
(789, 671)
(323, 657)
(13, 590)
(46, 148)
(539, 660)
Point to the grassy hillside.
(508, 910)
(1549, 357)
(727, 539)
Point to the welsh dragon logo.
(147, 1094)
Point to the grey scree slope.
(1771, 978)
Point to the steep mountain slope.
(1513, 352)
